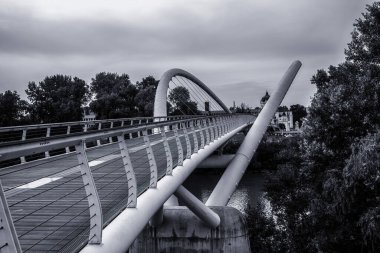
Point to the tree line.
(325, 188)
(61, 98)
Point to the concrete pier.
(183, 232)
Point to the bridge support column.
(235, 170)
(209, 217)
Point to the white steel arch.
(160, 106)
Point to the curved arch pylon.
(160, 106)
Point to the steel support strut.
(8, 238)
(131, 177)
(197, 207)
(96, 216)
(235, 170)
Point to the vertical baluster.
(130, 134)
(152, 161)
(110, 138)
(168, 154)
(179, 146)
(131, 177)
(217, 127)
(194, 137)
(224, 125)
(47, 135)
(211, 127)
(207, 131)
(68, 132)
(138, 132)
(200, 127)
(96, 217)
(8, 237)
(187, 139)
(23, 138)
(99, 128)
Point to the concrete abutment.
(183, 232)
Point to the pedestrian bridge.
(93, 186)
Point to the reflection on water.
(248, 194)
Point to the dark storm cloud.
(244, 43)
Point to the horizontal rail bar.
(16, 149)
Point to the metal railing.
(60, 202)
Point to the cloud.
(245, 43)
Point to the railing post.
(212, 136)
(96, 217)
(169, 159)
(207, 132)
(131, 177)
(179, 146)
(200, 128)
(187, 139)
(23, 138)
(194, 136)
(138, 132)
(8, 237)
(217, 130)
(99, 128)
(226, 124)
(152, 161)
(68, 132)
(47, 135)
(110, 138)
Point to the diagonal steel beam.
(235, 170)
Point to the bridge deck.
(47, 197)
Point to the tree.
(12, 109)
(179, 97)
(57, 98)
(283, 108)
(345, 109)
(299, 112)
(114, 96)
(146, 95)
(364, 47)
(330, 203)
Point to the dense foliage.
(114, 96)
(330, 201)
(179, 98)
(57, 98)
(13, 109)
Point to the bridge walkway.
(47, 197)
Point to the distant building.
(281, 120)
(264, 99)
(88, 114)
(284, 120)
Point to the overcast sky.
(239, 48)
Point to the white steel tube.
(235, 170)
(123, 230)
(209, 217)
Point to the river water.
(248, 194)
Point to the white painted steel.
(209, 217)
(151, 159)
(235, 170)
(216, 161)
(128, 167)
(160, 101)
(122, 231)
(8, 237)
(169, 158)
(96, 216)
